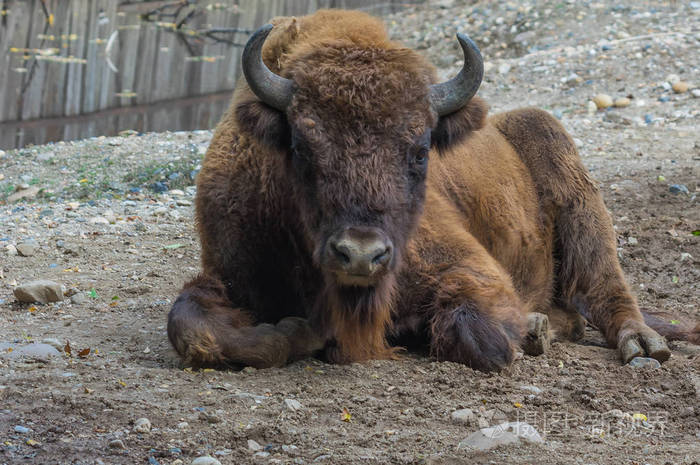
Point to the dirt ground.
(101, 228)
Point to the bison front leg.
(206, 329)
(477, 317)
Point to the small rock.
(159, 187)
(208, 417)
(2, 153)
(53, 342)
(117, 444)
(622, 102)
(504, 68)
(27, 249)
(254, 445)
(11, 250)
(142, 425)
(686, 256)
(644, 362)
(632, 241)
(261, 454)
(465, 416)
(37, 352)
(27, 194)
(21, 429)
(533, 389)
(183, 425)
(99, 220)
(205, 460)
(696, 93)
(78, 299)
(591, 107)
(603, 101)
(673, 78)
(183, 202)
(680, 87)
(678, 189)
(293, 404)
(505, 433)
(43, 291)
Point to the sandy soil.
(124, 250)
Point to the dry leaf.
(67, 350)
(346, 416)
(84, 353)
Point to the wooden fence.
(74, 68)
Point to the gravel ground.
(110, 220)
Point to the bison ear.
(455, 127)
(262, 122)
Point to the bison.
(349, 203)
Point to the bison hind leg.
(207, 331)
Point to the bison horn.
(452, 95)
(272, 89)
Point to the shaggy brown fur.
(504, 222)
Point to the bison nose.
(359, 251)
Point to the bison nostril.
(341, 253)
(382, 257)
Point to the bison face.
(355, 121)
(359, 193)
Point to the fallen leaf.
(121, 383)
(33, 443)
(346, 416)
(93, 293)
(84, 353)
(67, 349)
(32, 309)
(89, 391)
(639, 416)
(517, 405)
(675, 322)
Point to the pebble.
(21, 429)
(644, 362)
(533, 389)
(27, 249)
(254, 445)
(98, 220)
(116, 444)
(23, 194)
(632, 241)
(505, 433)
(622, 102)
(678, 189)
(673, 78)
(142, 425)
(603, 101)
(53, 342)
(78, 299)
(591, 107)
(680, 87)
(11, 250)
(183, 202)
(696, 93)
(42, 291)
(293, 404)
(465, 416)
(504, 68)
(205, 460)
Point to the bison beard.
(328, 143)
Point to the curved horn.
(452, 95)
(272, 89)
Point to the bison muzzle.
(349, 202)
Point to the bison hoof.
(538, 338)
(303, 340)
(636, 339)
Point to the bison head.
(356, 119)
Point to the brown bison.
(348, 202)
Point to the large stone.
(42, 291)
(465, 416)
(206, 460)
(41, 352)
(500, 435)
(29, 193)
(27, 249)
